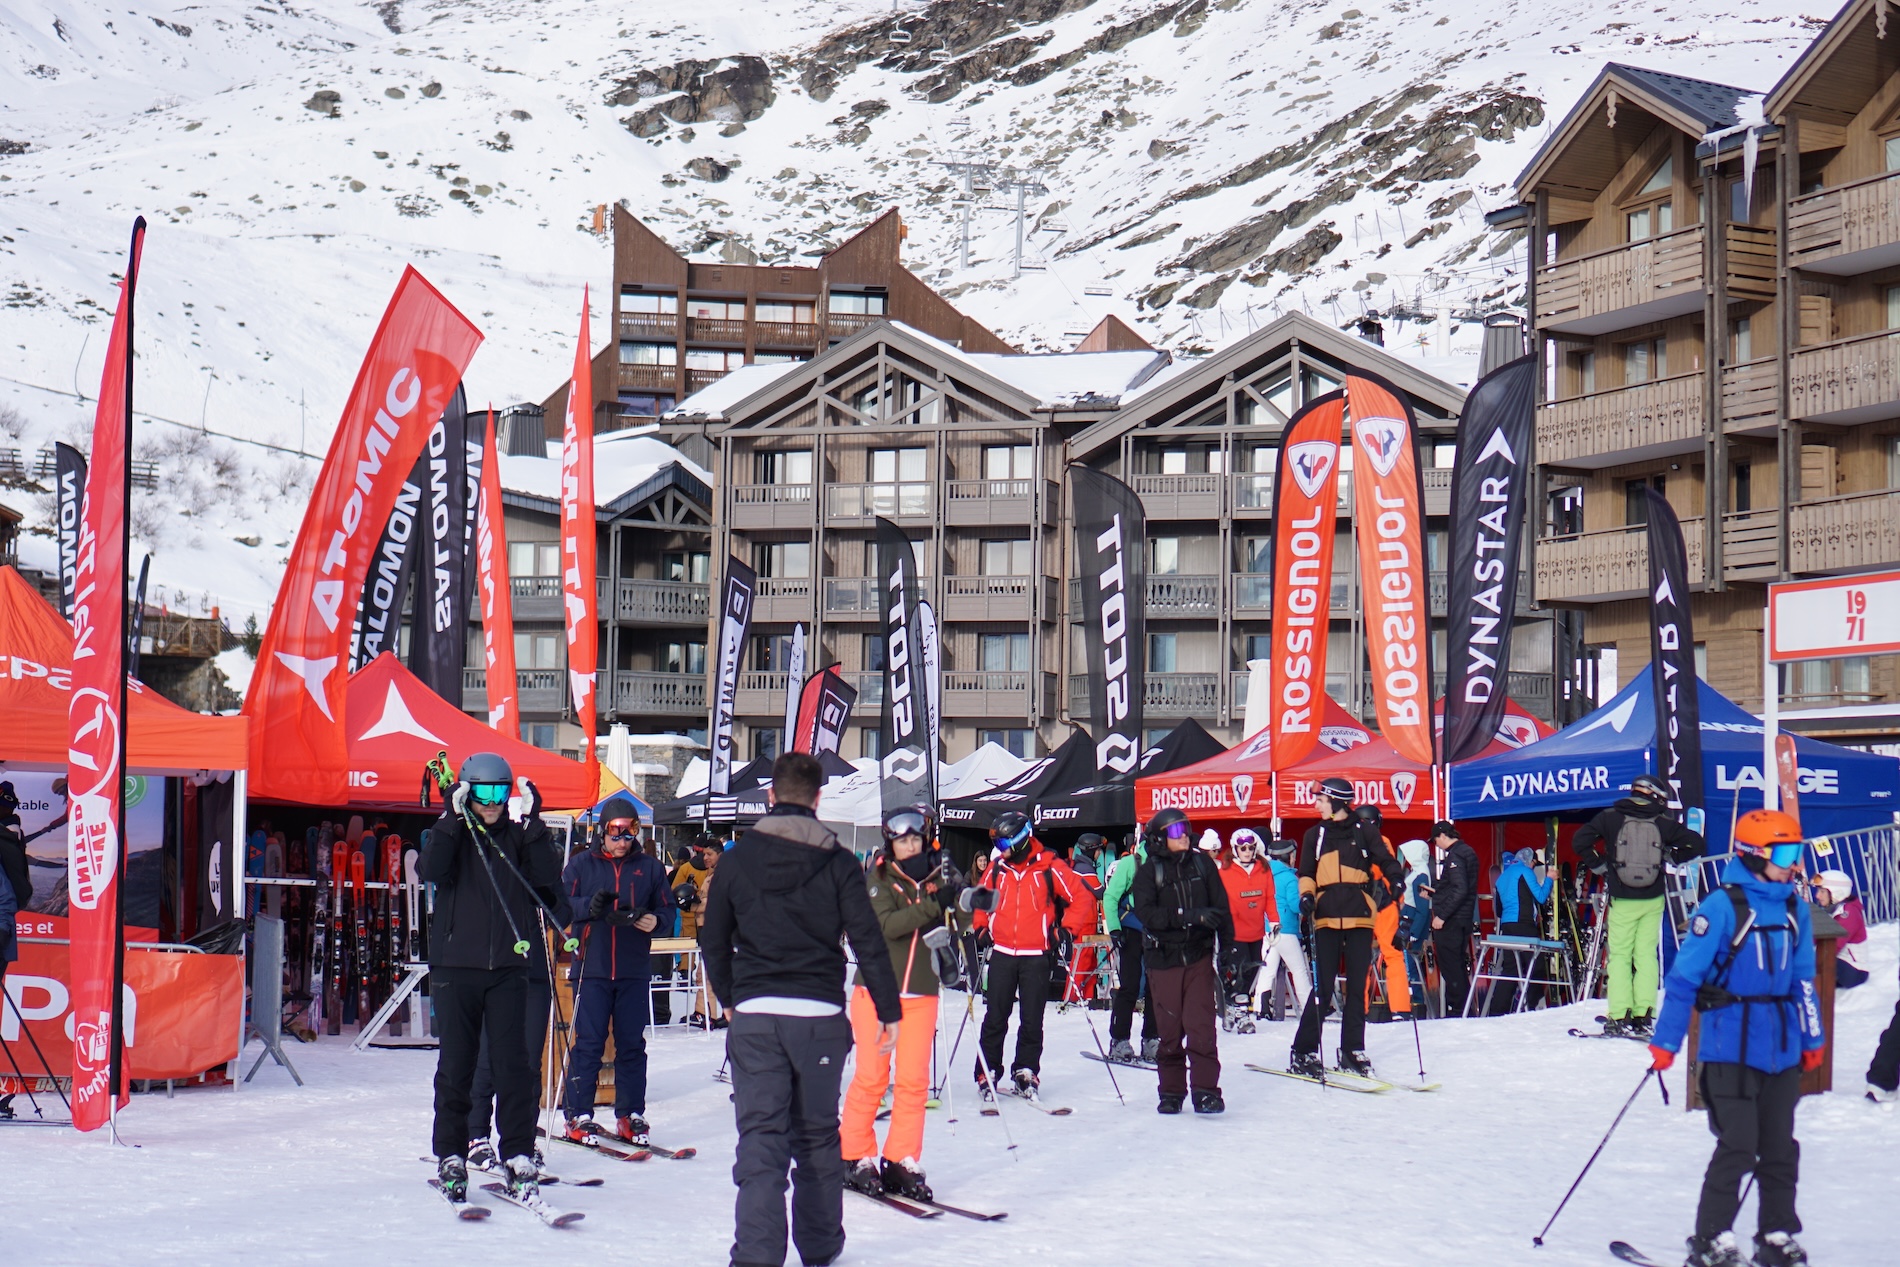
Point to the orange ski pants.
(858, 1131)
(1398, 987)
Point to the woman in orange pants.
(905, 881)
(1385, 932)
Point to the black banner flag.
(69, 490)
(735, 624)
(1111, 558)
(1490, 488)
(1672, 656)
(904, 763)
(824, 710)
(438, 623)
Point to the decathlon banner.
(1389, 506)
(904, 763)
(297, 693)
(1672, 656)
(1305, 505)
(95, 718)
(438, 631)
(824, 709)
(1490, 487)
(735, 623)
(498, 613)
(69, 495)
(578, 542)
(1111, 548)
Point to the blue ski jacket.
(1509, 892)
(611, 947)
(1769, 1014)
(1286, 892)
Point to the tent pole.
(1770, 712)
(234, 885)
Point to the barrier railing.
(1871, 857)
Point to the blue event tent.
(1589, 765)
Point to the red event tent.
(1233, 788)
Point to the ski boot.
(1355, 1062)
(1209, 1102)
(1306, 1064)
(863, 1176)
(1616, 1027)
(905, 1179)
(1124, 1051)
(1026, 1084)
(481, 1155)
(1150, 1049)
(1877, 1094)
(452, 1174)
(1169, 1103)
(522, 1178)
(1243, 1022)
(1643, 1027)
(582, 1129)
(984, 1091)
(633, 1129)
(1778, 1249)
(1714, 1251)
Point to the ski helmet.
(1768, 835)
(1337, 790)
(1282, 848)
(1010, 831)
(1169, 824)
(909, 821)
(488, 777)
(1839, 886)
(1647, 787)
(1244, 838)
(1370, 815)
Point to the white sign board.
(1836, 616)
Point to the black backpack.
(1637, 853)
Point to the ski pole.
(1103, 1053)
(1538, 1239)
(989, 1078)
(1416, 1041)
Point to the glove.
(1306, 906)
(534, 798)
(1660, 1058)
(1115, 938)
(937, 937)
(1811, 1060)
(601, 903)
(1206, 916)
(458, 799)
(977, 899)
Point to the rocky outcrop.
(724, 90)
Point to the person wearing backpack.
(1747, 967)
(1630, 843)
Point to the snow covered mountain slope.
(1205, 164)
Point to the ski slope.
(1462, 1177)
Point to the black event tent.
(1063, 791)
(745, 803)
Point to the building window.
(1566, 511)
(782, 558)
(716, 309)
(1007, 462)
(1742, 498)
(1259, 647)
(1006, 558)
(870, 742)
(858, 302)
(537, 650)
(873, 653)
(683, 657)
(1256, 554)
(1893, 153)
(1893, 462)
(765, 742)
(1164, 556)
(541, 735)
(782, 466)
(1635, 503)
(1844, 681)
(718, 360)
(899, 482)
(679, 565)
(1173, 461)
(634, 353)
(1161, 648)
(1017, 742)
(1645, 360)
(777, 358)
(1741, 343)
(639, 301)
(1584, 366)
(1003, 653)
(783, 311)
(1893, 307)
(534, 558)
(645, 404)
(1277, 392)
(771, 653)
(1739, 210)
(1657, 217)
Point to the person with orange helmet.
(1747, 967)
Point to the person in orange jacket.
(1030, 903)
(1385, 929)
(1251, 899)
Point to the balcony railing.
(1252, 490)
(649, 325)
(980, 503)
(785, 334)
(1751, 394)
(663, 602)
(781, 599)
(1750, 541)
(662, 694)
(1178, 595)
(1623, 285)
(1253, 592)
(1180, 496)
(842, 325)
(860, 596)
(535, 597)
(1165, 695)
(1830, 231)
(1598, 566)
(987, 597)
(539, 691)
(1858, 530)
(891, 501)
(772, 505)
(659, 377)
(760, 693)
(870, 688)
(984, 695)
(1660, 417)
(696, 379)
(715, 329)
(1847, 381)
(990, 490)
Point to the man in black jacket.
(1182, 904)
(490, 873)
(1454, 911)
(775, 912)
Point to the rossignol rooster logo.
(1243, 791)
(1383, 439)
(1404, 785)
(1311, 461)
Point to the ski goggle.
(1177, 830)
(622, 830)
(1247, 842)
(1785, 855)
(909, 823)
(489, 793)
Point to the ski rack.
(413, 974)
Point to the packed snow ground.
(330, 1172)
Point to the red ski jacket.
(1024, 920)
(1250, 898)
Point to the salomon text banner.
(1672, 656)
(1111, 545)
(95, 763)
(438, 633)
(824, 710)
(578, 544)
(379, 614)
(1305, 506)
(735, 625)
(1490, 487)
(296, 698)
(498, 613)
(794, 683)
(69, 497)
(1389, 506)
(904, 763)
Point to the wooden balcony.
(1004, 503)
(650, 325)
(842, 325)
(1166, 695)
(1851, 228)
(1251, 492)
(782, 600)
(1859, 530)
(772, 506)
(785, 334)
(645, 602)
(1750, 539)
(537, 691)
(1624, 424)
(664, 378)
(870, 689)
(536, 597)
(696, 379)
(1179, 596)
(1623, 285)
(662, 694)
(860, 503)
(1179, 496)
(1847, 381)
(997, 598)
(1253, 594)
(988, 696)
(1751, 399)
(760, 694)
(1437, 481)
(1597, 567)
(715, 330)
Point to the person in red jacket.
(1026, 901)
(1250, 898)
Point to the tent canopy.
(36, 656)
(1234, 784)
(1589, 765)
(744, 802)
(396, 724)
(1065, 789)
(1401, 787)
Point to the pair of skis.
(989, 1108)
(614, 1146)
(918, 1208)
(535, 1204)
(1345, 1080)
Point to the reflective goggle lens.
(621, 831)
(1784, 855)
(489, 793)
(905, 825)
(1177, 830)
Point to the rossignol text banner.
(904, 763)
(295, 705)
(498, 613)
(1490, 487)
(438, 633)
(69, 499)
(95, 718)
(1111, 548)
(1672, 656)
(1389, 505)
(1305, 508)
(824, 710)
(735, 624)
(578, 543)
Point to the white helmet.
(1244, 836)
(1839, 885)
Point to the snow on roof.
(623, 460)
(1064, 380)
(715, 398)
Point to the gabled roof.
(1694, 107)
(1855, 58)
(629, 468)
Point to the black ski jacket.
(780, 903)
(471, 926)
(1455, 891)
(1595, 843)
(1171, 893)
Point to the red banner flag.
(498, 613)
(577, 540)
(1305, 505)
(1389, 505)
(95, 716)
(298, 749)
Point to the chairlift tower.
(1022, 184)
(975, 176)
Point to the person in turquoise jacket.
(1282, 946)
(1748, 968)
(1518, 881)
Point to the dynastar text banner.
(735, 625)
(1305, 507)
